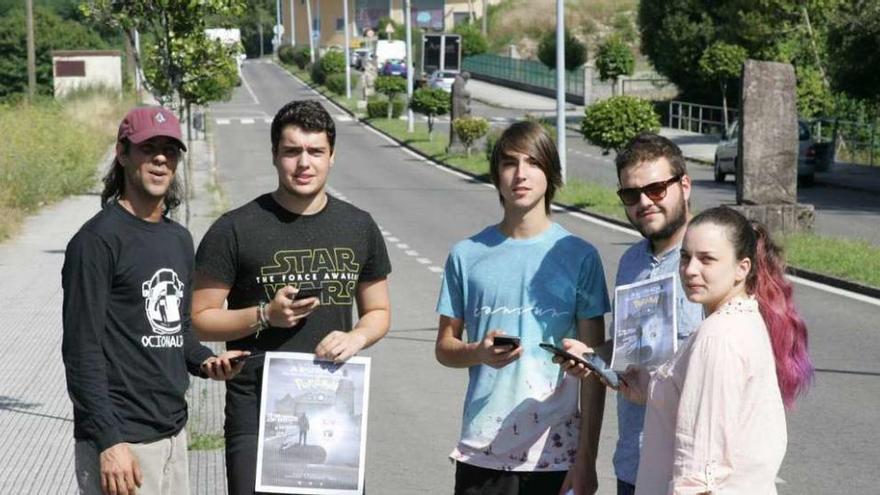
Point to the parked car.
(394, 67)
(358, 57)
(810, 159)
(442, 79)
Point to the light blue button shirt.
(639, 263)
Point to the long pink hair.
(766, 281)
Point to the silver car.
(808, 162)
(442, 79)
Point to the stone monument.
(371, 72)
(461, 107)
(766, 172)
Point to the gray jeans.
(163, 463)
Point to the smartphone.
(592, 361)
(308, 292)
(238, 359)
(505, 340)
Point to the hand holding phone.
(591, 361)
(307, 292)
(244, 358)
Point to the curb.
(803, 273)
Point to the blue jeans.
(624, 488)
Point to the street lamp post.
(560, 84)
(410, 124)
(31, 57)
(347, 50)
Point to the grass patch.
(858, 261)
(51, 149)
(206, 441)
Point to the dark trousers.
(624, 488)
(473, 480)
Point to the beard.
(676, 218)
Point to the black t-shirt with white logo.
(261, 247)
(128, 344)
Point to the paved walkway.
(36, 417)
(695, 147)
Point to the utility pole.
(347, 49)
(485, 17)
(31, 53)
(276, 41)
(560, 84)
(292, 24)
(311, 31)
(410, 121)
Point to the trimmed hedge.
(377, 108)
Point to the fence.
(704, 119)
(528, 75)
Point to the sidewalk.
(36, 417)
(699, 148)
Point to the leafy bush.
(469, 130)
(333, 62)
(614, 59)
(390, 86)
(472, 40)
(431, 103)
(611, 123)
(336, 83)
(492, 137)
(378, 108)
(316, 73)
(286, 54)
(302, 55)
(575, 51)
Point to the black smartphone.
(308, 292)
(238, 359)
(505, 340)
(592, 361)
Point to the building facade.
(328, 25)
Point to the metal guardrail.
(526, 72)
(704, 119)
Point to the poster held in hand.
(313, 425)
(645, 323)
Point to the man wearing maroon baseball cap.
(128, 345)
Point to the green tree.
(390, 86)
(854, 49)
(472, 40)
(722, 63)
(53, 33)
(469, 130)
(676, 33)
(431, 103)
(611, 123)
(614, 59)
(177, 30)
(333, 62)
(575, 51)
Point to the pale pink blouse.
(715, 422)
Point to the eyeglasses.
(655, 191)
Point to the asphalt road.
(415, 404)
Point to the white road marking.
(411, 252)
(222, 121)
(424, 261)
(249, 90)
(344, 118)
(403, 246)
(435, 269)
(247, 121)
(393, 239)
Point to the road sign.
(278, 29)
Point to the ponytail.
(788, 332)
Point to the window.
(340, 24)
(70, 68)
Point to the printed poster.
(313, 425)
(645, 323)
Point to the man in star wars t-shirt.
(255, 260)
(128, 344)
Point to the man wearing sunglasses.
(654, 189)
